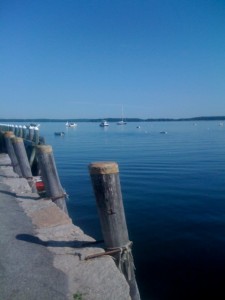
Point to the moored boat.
(71, 124)
(104, 123)
(60, 133)
(121, 122)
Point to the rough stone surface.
(67, 246)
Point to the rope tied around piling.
(125, 260)
(57, 197)
(64, 195)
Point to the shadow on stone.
(74, 244)
(23, 197)
(8, 193)
(8, 176)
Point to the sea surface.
(173, 188)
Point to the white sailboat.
(122, 122)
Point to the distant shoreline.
(207, 118)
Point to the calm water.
(173, 189)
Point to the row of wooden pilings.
(29, 132)
(107, 189)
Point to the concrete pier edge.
(68, 245)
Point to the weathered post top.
(9, 134)
(17, 140)
(44, 148)
(108, 167)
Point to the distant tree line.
(206, 118)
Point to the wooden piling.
(8, 135)
(22, 158)
(106, 185)
(31, 133)
(20, 131)
(2, 143)
(32, 155)
(11, 128)
(16, 130)
(36, 135)
(24, 132)
(50, 176)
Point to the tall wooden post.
(2, 143)
(20, 131)
(22, 158)
(24, 132)
(16, 130)
(32, 155)
(106, 185)
(36, 135)
(31, 133)
(50, 176)
(10, 150)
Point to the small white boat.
(163, 132)
(71, 124)
(104, 123)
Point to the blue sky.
(87, 58)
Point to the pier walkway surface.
(43, 252)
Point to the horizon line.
(114, 119)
